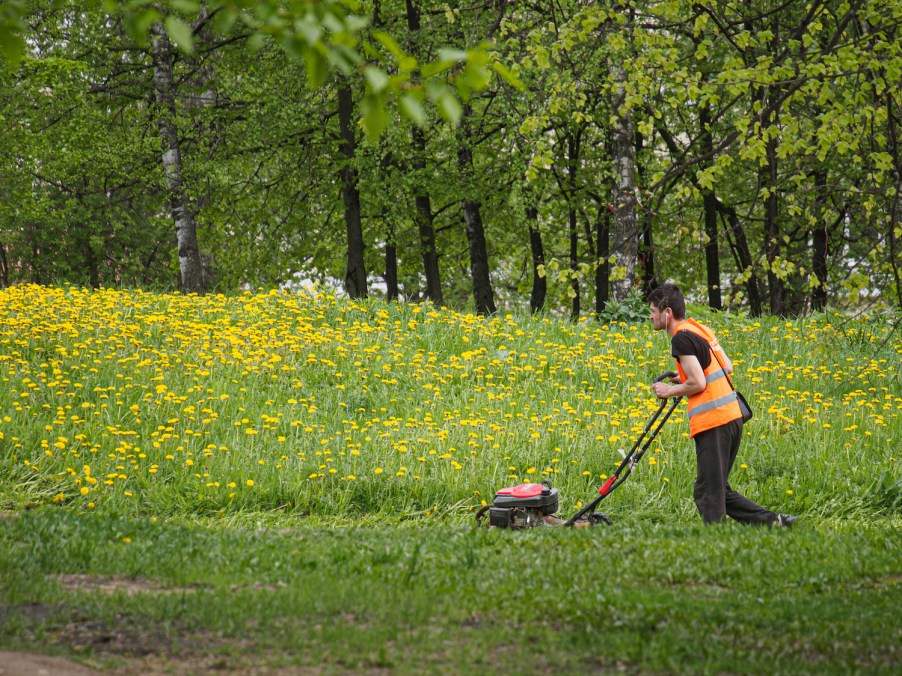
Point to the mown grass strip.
(643, 596)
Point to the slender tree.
(355, 276)
(190, 272)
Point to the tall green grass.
(306, 405)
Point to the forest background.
(478, 154)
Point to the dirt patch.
(29, 664)
(141, 585)
(111, 585)
(30, 612)
(121, 636)
(124, 637)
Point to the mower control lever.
(635, 454)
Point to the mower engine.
(523, 506)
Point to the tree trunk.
(776, 291)
(768, 178)
(539, 277)
(427, 247)
(355, 276)
(479, 258)
(190, 271)
(647, 277)
(4, 267)
(743, 255)
(625, 240)
(819, 252)
(712, 251)
(573, 150)
(424, 214)
(709, 203)
(603, 254)
(391, 267)
(425, 227)
(893, 228)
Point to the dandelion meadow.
(316, 462)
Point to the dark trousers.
(715, 452)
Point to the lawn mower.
(534, 504)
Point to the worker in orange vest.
(715, 419)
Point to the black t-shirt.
(685, 343)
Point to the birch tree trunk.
(191, 279)
(625, 241)
(573, 151)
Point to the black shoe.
(784, 521)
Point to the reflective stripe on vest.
(711, 405)
(717, 404)
(717, 375)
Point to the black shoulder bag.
(744, 407)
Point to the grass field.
(272, 480)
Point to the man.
(715, 421)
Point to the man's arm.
(725, 361)
(695, 380)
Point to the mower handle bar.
(631, 458)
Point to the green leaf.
(471, 80)
(390, 45)
(343, 58)
(256, 41)
(454, 55)
(354, 23)
(375, 116)
(448, 105)
(413, 110)
(375, 78)
(138, 24)
(225, 19)
(12, 47)
(508, 76)
(180, 33)
(185, 6)
(433, 68)
(317, 67)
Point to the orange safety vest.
(716, 405)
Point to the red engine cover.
(523, 491)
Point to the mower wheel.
(600, 517)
